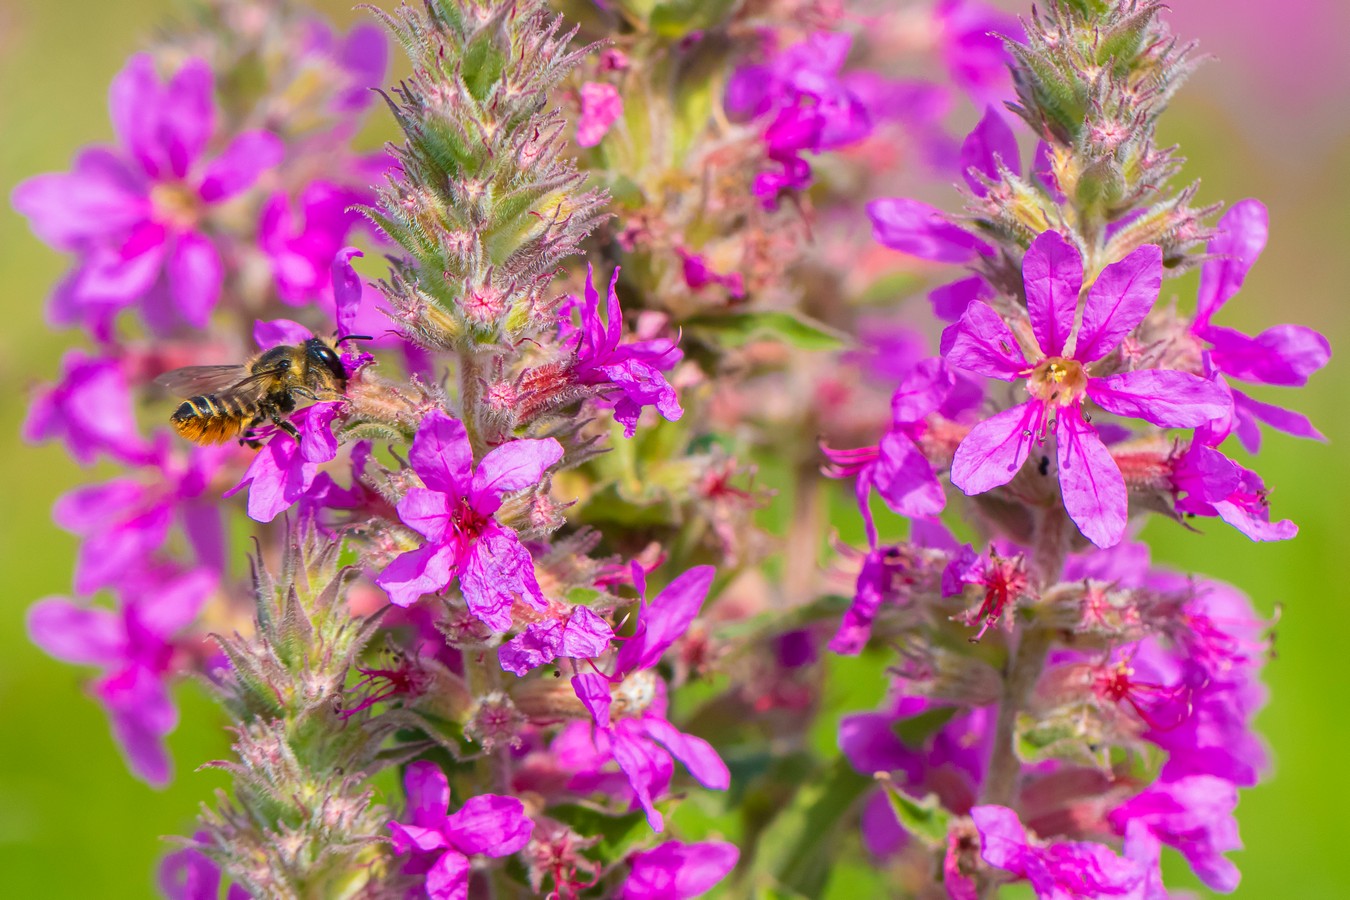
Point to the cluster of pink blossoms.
(451, 556)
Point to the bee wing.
(192, 381)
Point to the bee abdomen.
(209, 419)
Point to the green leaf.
(924, 819)
(915, 730)
(677, 18)
(796, 851)
(736, 329)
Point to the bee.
(223, 401)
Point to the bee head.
(320, 352)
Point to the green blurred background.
(1270, 119)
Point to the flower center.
(175, 205)
(1057, 381)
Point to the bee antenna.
(354, 337)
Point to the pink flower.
(643, 741)
(301, 238)
(1059, 380)
(971, 45)
(678, 871)
(601, 107)
(1064, 871)
(134, 647)
(125, 521)
(442, 842)
(1284, 355)
(89, 410)
(1194, 815)
(628, 375)
(455, 513)
(576, 634)
(189, 874)
(134, 214)
(284, 471)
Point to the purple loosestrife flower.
(1065, 871)
(950, 763)
(576, 633)
(442, 842)
(1215, 485)
(897, 467)
(134, 647)
(1284, 355)
(89, 409)
(629, 375)
(135, 214)
(189, 874)
(301, 240)
(636, 741)
(1194, 815)
(601, 107)
(925, 231)
(125, 520)
(678, 871)
(816, 108)
(285, 471)
(970, 41)
(454, 512)
(1059, 381)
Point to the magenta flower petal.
(441, 454)
(1284, 355)
(951, 300)
(172, 605)
(275, 332)
(1242, 237)
(665, 619)
(186, 117)
(141, 715)
(991, 142)
(982, 343)
(1093, 488)
(425, 570)
(697, 755)
(905, 479)
(76, 634)
(428, 794)
(1166, 398)
(1052, 271)
(994, 450)
(1003, 840)
(601, 107)
(585, 636)
(449, 877)
(346, 288)
(497, 571)
(133, 104)
(99, 198)
(513, 466)
(1118, 301)
(239, 166)
(1195, 815)
(426, 512)
(416, 837)
(922, 391)
(923, 231)
(195, 277)
(1276, 417)
(593, 691)
(489, 825)
(647, 773)
(676, 871)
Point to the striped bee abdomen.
(211, 419)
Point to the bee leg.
(286, 427)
